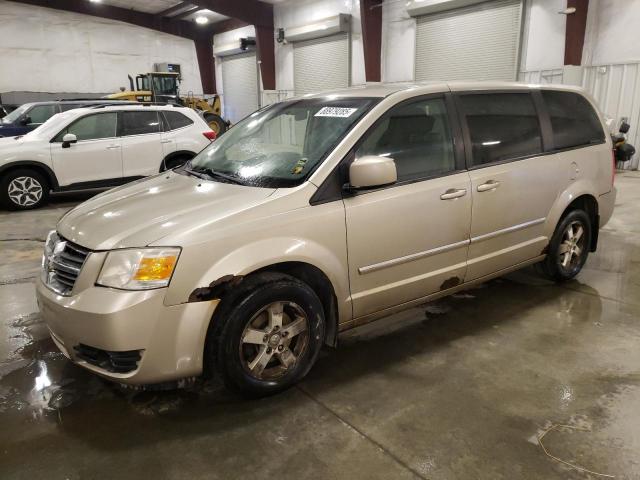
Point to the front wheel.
(271, 336)
(569, 247)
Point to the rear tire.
(569, 247)
(269, 338)
(24, 189)
(174, 162)
(215, 122)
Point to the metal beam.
(206, 62)
(186, 13)
(141, 19)
(175, 9)
(574, 36)
(371, 20)
(266, 55)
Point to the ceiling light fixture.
(202, 20)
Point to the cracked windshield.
(280, 145)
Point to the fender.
(39, 165)
(576, 189)
(263, 253)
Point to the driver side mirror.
(372, 171)
(68, 139)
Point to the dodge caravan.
(319, 214)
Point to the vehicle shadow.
(129, 418)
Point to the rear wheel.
(271, 336)
(215, 122)
(174, 162)
(24, 189)
(569, 247)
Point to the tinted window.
(502, 126)
(573, 120)
(416, 136)
(177, 120)
(92, 127)
(70, 106)
(138, 123)
(42, 113)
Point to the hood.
(143, 212)
(24, 148)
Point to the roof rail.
(132, 104)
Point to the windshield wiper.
(218, 175)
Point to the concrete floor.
(453, 390)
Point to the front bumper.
(170, 339)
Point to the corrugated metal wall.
(615, 87)
(474, 43)
(322, 64)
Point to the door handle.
(490, 185)
(166, 141)
(453, 193)
(111, 147)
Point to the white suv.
(97, 147)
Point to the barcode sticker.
(341, 112)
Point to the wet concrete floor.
(458, 389)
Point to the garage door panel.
(474, 43)
(240, 86)
(321, 64)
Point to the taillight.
(211, 135)
(613, 166)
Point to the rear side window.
(91, 127)
(70, 106)
(417, 136)
(502, 126)
(139, 123)
(573, 120)
(41, 113)
(177, 120)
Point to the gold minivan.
(321, 213)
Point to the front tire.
(569, 247)
(271, 335)
(24, 189)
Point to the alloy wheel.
(572, 246)
(274, 340)
(25, 191)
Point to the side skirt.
(356, 322)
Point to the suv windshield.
(16, 114)
(280, 145)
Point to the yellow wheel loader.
(163, 87)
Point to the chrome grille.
(62, 263)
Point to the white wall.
(46, 50)
(612, 32)
(398, 43)
(295, 13)
(544, 32)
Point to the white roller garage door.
(239, 86)
(321, 64)
(473, 43)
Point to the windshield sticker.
(339, 112)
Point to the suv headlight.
(139, 268)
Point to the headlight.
(139, 269)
